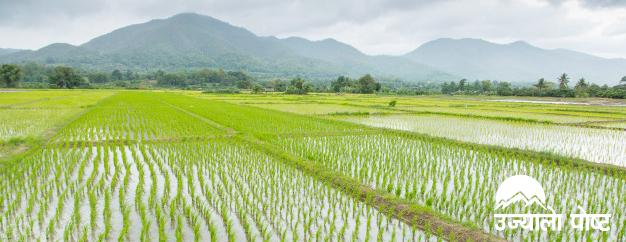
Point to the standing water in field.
(99, 179)
(595, 145)
(461, 182)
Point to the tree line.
(41, 76)
(32, 75)
(542, 88)
(343, 84)
(60, 76)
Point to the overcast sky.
(373, 26)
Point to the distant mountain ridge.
(182, 41)
(8, 51)
(191, 40)
(352, 60)
(517, 61)
(196, 41)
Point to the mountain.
(517, 61)
(353, 61)
(196, 41)
(58, 52)
(191, 40)
(8, 51)
(182, 41)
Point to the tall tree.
(117, 75)
(623, 81)
(485, 86)
(504, 89)
(563, 81)
(541, 84)
(462, 83)
(445, 88)
(242, 80)
(65, 77)
(367, 84)
(256, 88)
(298, 86)
(340, 83)
(10, 75)
(581, 88)
(298, 83)
(278, 85)
(581, 84)
(476, 86)
(129, 75)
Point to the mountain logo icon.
(521, 188)
(525, 190)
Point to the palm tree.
(563, 80)
(541, 84)
(581, 84)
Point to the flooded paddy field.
(186, 166)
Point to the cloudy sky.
(373, 26)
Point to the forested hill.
(195, 41)
(8, 51)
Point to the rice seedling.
(144, 166)
(124, 171)
(596, 145)
(320, 109)
(439, 176)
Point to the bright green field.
(31, 116)
(621, 125)
(89, 165)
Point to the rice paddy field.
(115, 165)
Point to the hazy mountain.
(8, 51)
(56, 53)
(182, 41)
(355, 62)
(518, 61)
(196, 41)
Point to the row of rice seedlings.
(21, 123)
(245, 115)
(481, 111)
(595, 145)
(250, 186)
(318, 109)
(12, 99)
(65, 99)
(551, 110)
(134, 117)
(35, 198)
(461, 183)
(238, 194)
(30, 114)
(517, 110)
(255, 120)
